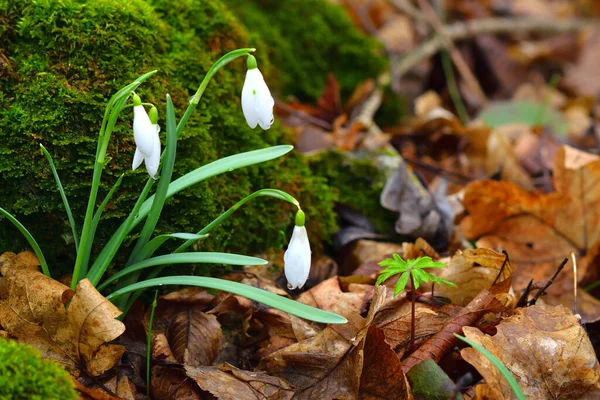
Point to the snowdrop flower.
(297, 256)
(145, 134)
(257, 102)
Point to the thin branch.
(482, 26)
(550, 282)
(457, 58)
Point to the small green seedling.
(415, 270)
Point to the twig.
(550, 282)
(481, 26)
(409, 9)
(453, 176)
(302, 115)
(506, 261)
(574, 259)
(457, 58)
(523, 299)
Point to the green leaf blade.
(252, 293)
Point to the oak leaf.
(547, 351)
(330, 364)
(33, 309)
(539, 230)
(473, 271)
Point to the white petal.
(138, 157)
(297, 258)
(143, 131)
(257, 102)
(248, 101)
(153, 161)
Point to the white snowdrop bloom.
(297, 257)
(147, 141)
(257, 102)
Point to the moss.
(309, 38)
(65, 58)
(25, 376)
(357, 182)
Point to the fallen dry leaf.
(229, 383)
(172, 383)
(33, 310)
(382, 376)
(329, 296)
(330, 364)
(194, 337)
(473, 271)
(539, 230)
(547, 351)
(442, 342)
(394, 321)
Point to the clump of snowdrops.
(257, 107)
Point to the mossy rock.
(358, 178)
(24, 375)
(60, 61)
(308, 39)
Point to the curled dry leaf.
(33, 310)
(329, 296)
(539, 230)
(547, 351)
(330, 364)
(442, 342)
(394, 321)
(229, 383)
(473, 271)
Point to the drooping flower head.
(297, 257)
(145, 134)
(257, 102)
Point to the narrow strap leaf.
(250, 292)
(32, 242)
(64, 198)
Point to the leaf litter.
(501, 200)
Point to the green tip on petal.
(251, 62)
(153, 114)
(300, 217)
(136, 100)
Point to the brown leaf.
(229, 383)
(194, 337)
(584, 77)
(172, 383)
(539, 230)
(33, 310)
(394, 321)
(547, 351)
(329, 296)
(501, 157)
(382, 376)
(473, 271)
(328, 365)
(443, 341)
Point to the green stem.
(149, 343)
(461, 110)
(412, 313)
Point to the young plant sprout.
(415, 271)
(257, 102)
(257, 105)
(297, 256)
